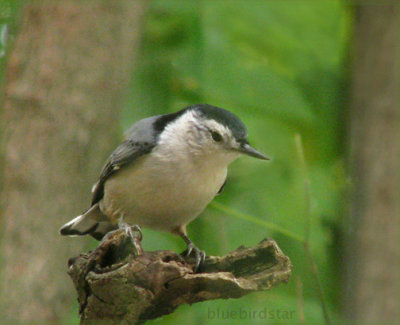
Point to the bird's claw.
(129, 230)
(199, 255)
(135, 234)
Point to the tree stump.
(116, 285)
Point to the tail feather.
(93, 222)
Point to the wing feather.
(140, 141)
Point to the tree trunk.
(67, 72)
(373, 257)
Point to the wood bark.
(115, 286)
(373, 254)
(66, 75)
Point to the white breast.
(162, 194)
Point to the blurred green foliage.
(281, 67)
(8, 15)
(5, 13)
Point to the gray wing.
(140, 141)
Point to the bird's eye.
(216, 136)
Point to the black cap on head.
(226, 118)
(231, 121)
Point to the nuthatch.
(165, 173)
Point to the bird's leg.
(134, 232)
(191, 247)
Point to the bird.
(165, 173)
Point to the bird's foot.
(199, 255)
(134, 232)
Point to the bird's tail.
(92, 222)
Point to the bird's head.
(209, 131)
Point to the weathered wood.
(116, 286)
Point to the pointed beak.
(250, 151)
